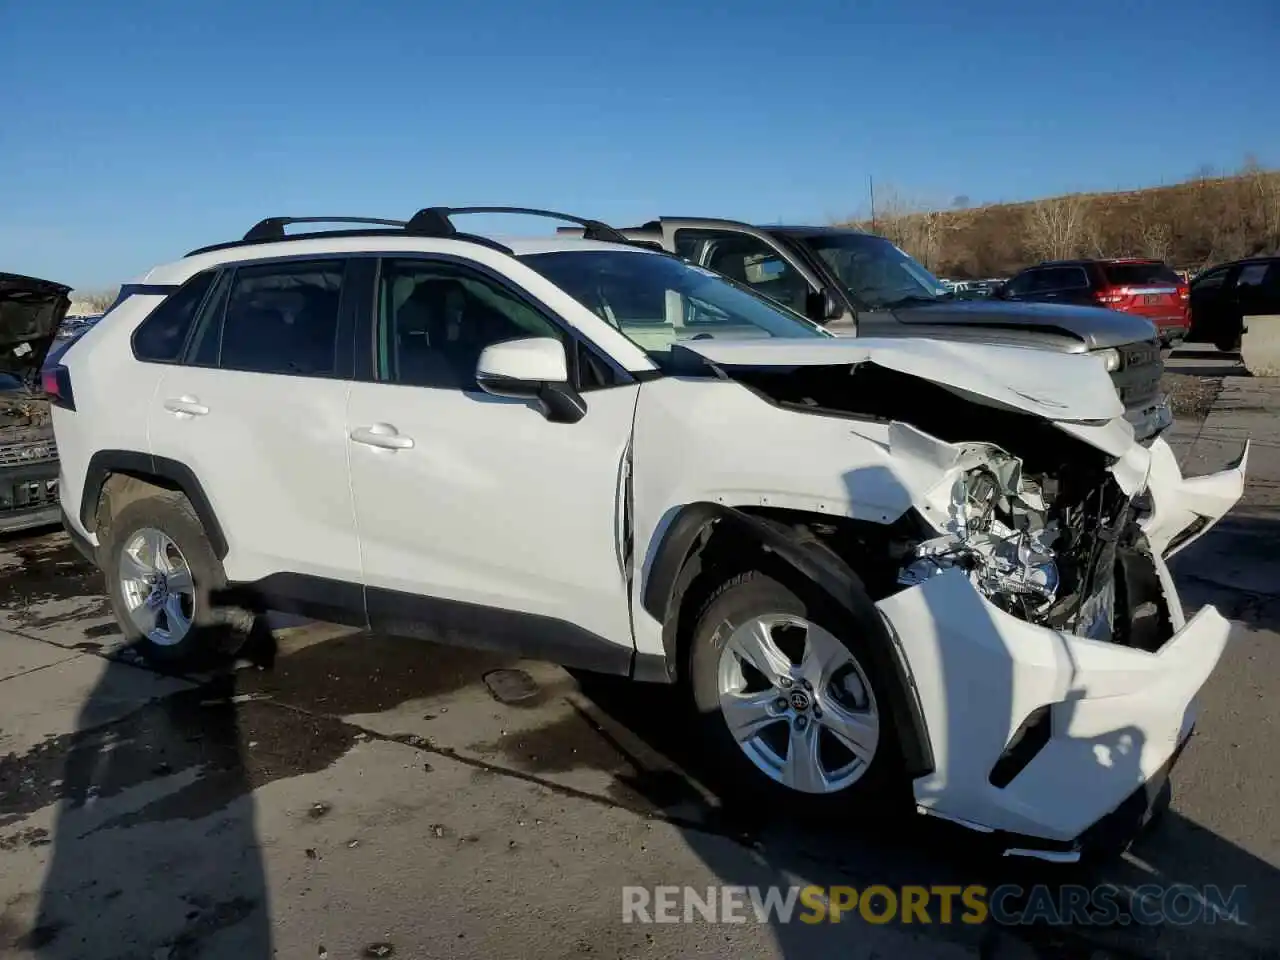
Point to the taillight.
(1184, 293)
(1109, 295)
(56, 381)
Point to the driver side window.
(435, 319)
(748, 260)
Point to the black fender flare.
(145, 466)
(663, 588)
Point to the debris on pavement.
(379, 950)
(512, 687)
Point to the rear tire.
(839, 719)
(187, 630)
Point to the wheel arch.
(677, 564)
(158, 471)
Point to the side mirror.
(824, 306)
(832, 308)
(535, 369)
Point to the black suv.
(860, 284)
(1223, 296)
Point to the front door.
(749, 260)
(481, 522)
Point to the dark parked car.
(1223, 296)
(31, 313)
(1145, 288)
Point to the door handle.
(383, 436)
(186, 406)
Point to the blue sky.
(136, 130)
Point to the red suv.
(1148, 288)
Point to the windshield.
(875, 271)
(657, 301)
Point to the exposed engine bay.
(1041, 547)
(1035, 518)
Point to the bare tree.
(1155, 239)
(1264, 187)
(1056, 227)
(911, 225)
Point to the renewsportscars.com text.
(973, 904)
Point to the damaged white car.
(871, 563)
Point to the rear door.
(1212, 300)
(256, 410)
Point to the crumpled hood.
(1098, 327)
(31, 311)
(1055, 386)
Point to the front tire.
(788, 699)
(160, 571)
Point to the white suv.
(869, 562)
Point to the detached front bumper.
(1087, 723)
(1057, 743)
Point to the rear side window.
(1060, 278)
(1260, 275)
(283, 318)
(1139, 274)
(162, 335)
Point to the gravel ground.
(1190, 396)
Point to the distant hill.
(1190, 225)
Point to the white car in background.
(936, 566)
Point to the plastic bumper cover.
(1118, 716)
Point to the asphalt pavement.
(342, 794)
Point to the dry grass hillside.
(1205, 220)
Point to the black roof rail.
(427, 222)
(436, 221)
(272, 228)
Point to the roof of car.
(179, 270)
(801, 230)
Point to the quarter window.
(161, 337)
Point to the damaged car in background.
(31, 313)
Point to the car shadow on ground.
(154, 810)
(1235, 566)
(1206, 363)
